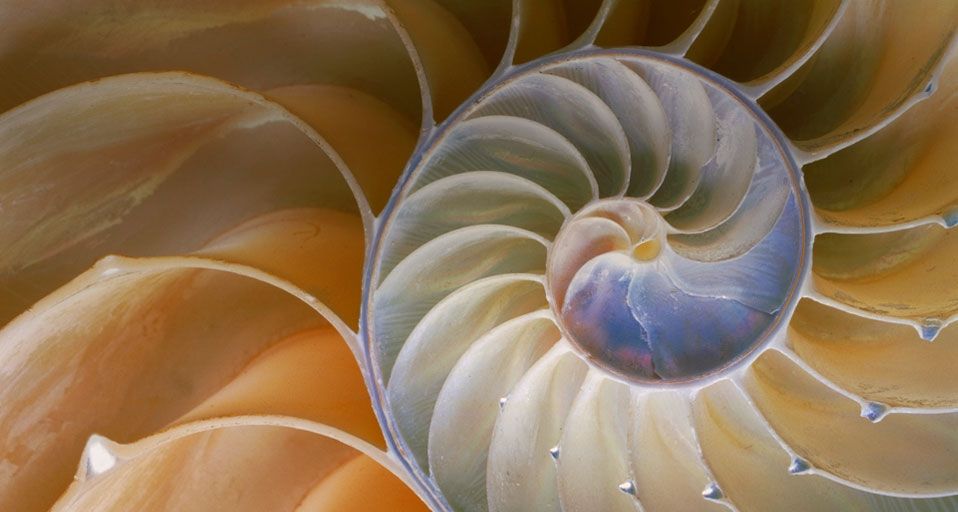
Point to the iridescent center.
(591, 266)
(681, 289)
(618, 291)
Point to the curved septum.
(626, 203)
(685, 282)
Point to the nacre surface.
(616, 255)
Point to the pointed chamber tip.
(799, 466)
(554, 452)
(950, 218)
(628, 487)
(98, 456)
(929, 329)
(712, 492)
(874, 412)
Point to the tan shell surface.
(199, 208)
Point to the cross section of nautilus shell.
(617, 255)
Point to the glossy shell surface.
(617, 255)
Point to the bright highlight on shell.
(616, 255)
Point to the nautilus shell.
(619, 255)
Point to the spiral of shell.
(199, 245)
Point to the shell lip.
(372, 371)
